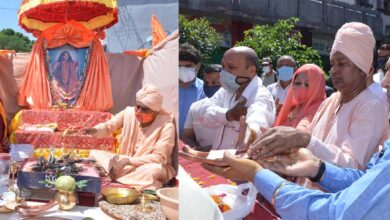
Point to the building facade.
(319, 19)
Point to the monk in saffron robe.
(148, 138)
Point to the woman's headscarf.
(316, 94)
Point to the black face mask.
(382, 63)
(240, 80)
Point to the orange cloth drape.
(72, 33)
(158, 32)
(35, 91)
(158, 35)
(96, 93)
(7, 51)
(140, 52)
(316, 95)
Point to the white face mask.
(266, 69)
(187, 74)
(228, 81)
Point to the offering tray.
(130, 212)
(30, 181)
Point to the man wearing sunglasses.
(147, 140)
(242, 94)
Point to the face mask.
(382, 63)
(300, 95)
(144, 118)
(228, 81)
(187, 74)
(285, 73)
(210, 90)
(266, 69)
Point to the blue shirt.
(355, 194)
(187, 96)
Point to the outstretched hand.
(88, 131)
(237, 169)
(300, 162)
(277, 140)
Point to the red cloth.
(47, 139)
(262, 210)
(65, 119)
(97, 15)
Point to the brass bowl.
(120, 196)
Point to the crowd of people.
(334, 142)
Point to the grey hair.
(286, 57)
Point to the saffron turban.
(356, 41)
(150, 97)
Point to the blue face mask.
(285, 73)
(209, 91)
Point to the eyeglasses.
(142, 108)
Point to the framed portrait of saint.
(67, 67)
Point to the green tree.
(200, 34)
(11, 40)
(278, 40)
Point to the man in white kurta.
(195, 133)
(239, 82)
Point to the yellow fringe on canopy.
(34, 3)
(92, 24)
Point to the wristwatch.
(320, 173)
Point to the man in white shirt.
(376, 88)
(285, 68)
(242, 94)
(195, 133)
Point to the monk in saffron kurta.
(350, 125)
(148, 138)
